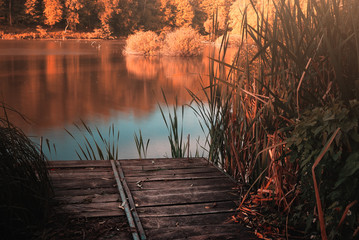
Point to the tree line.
(120, 17)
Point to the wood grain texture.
(174, 198)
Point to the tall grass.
(96, 145)
(174, 124)
(303, 56)
(140, 145)
(24, 183)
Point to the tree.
(33, 9)
(89, 15)
(12, 11)
(72, 12)
(125, 17)
(184, 13)
(2, 10)
(52, 12)
(168, 11)
(151, 15)
(219, 7)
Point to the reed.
(140, 145)
(96, 145)
(24, 183)
(303, 56)
(174, 124)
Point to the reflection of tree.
(62, 87)
(181, 71)
(173, 74)
(145, 68)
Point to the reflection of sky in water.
(152, 128)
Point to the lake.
(58, 83)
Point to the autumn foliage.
(181, 42)
(143, 43)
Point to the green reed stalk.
(95, 146)
(175, 128)
(140, 145)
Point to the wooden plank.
(81, 163)
(159, 168)
(79, 170)
(164, 161)
(56, 179)
(94, 198)
(180, 184)
(167, 177)
(192, 189)
(187, 209)
(226, 231)
(198, 170)
(92, 209)
(81, 174)
(84, 192)
(180, 221)
(150, 198)
(84, 184)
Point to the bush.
(143, 43)
(182, 42)
(337, 172)
(24, 184)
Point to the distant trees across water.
(119, 17)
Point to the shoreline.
(42, 33)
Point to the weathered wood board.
(85, 188)
(174, 198)
(184, 199)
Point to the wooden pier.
(171, 198)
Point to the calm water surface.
(58, 83)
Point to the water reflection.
(56, 83)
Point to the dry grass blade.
(317, 196)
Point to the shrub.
(24, 184)
(182, 42)
(143, 43)
(337, 172)
(42, 32)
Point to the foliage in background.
(24, 184)
(96, 145)
(118, 17)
